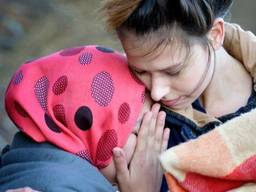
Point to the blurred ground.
(30, 29)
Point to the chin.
(179, 106)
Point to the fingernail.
(117, 153)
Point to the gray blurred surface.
(30, 29)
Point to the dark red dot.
(102, 88)
(85, 154)
(41, 92)
(51, 124)
(124, 113)
(18, 78)
(83, 118)
(85, 58)
(60, 85)
(59, 113)
(71, 51)
(20, 109)
(105, 49)
(106, 144)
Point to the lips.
(170, 103)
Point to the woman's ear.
(217, 33)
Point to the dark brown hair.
(195, 17)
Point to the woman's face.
(174, 77)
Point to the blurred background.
(33, 28)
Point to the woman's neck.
(229, 88)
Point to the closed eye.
(173, 73)
(138, 72)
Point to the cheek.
(189, 79)
(129, 147)
(198, 77)
(145, 79)
(185, 83)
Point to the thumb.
(122, 172)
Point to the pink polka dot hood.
(84, 100)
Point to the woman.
(175, 49)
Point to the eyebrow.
(172, 69)
(175, 68)
(179, 66)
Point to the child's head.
(83, 100)
(169, 44)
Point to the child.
(83, 100)
(175, 49)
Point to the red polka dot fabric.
(18, 78)
(105, 145)
(59, 113)
(60, 85)
(85, 58)
(124, 113)
(102, 88)
(84, 100)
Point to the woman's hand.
(144, 172)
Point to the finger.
(144, 132)
(165, 140)
(122, 172)
(159, 129)
(155, 110)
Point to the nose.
(159, 87)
